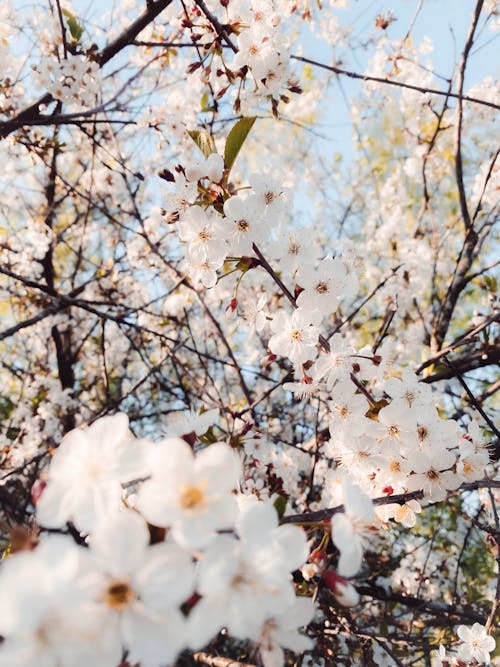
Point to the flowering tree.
(248, 386)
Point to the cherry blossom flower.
(48, 615)
(271, 193)
(335, 364)
(245, 582)
(294, 337)
(322, 287)
(190, 494)
(281, 631)
(205, 235)
(244, 223)
(351, 528)
(211, 168)
(138, 590)
(86, 474)
(185, 423)
(203, 271)
(293, 249)
(431, 474)
(347, 410)
(477, 643)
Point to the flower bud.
(344, 592)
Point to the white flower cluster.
(210, 237)
(475, 648)
(385, 432)
(74, 80)
(222, 559)
(262, 54)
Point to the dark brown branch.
(219, 28)
(458, 282)
(459, 117)
(452, 366)
(469, 362)
(452, 612)
(324, 515)
(31, 114)
(399, 84)
(458, 342)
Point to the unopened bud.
(344, 592)
(37, 489)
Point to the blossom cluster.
(73, 80)
(215, 294)
(169, 553)
(261, 60)
(385, 431)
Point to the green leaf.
(204, 141)
(204, 103)
(280, 505)
(235, 140)
(75, 28)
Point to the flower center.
(296, 335)
(432, 474)
(293, 248)
(410, 397)
(203, 236)
(243, 225)
(241, 578)
(393, 431)
(422, 433)
(191, 497)
(269, 197)
(343, 411)
(119, 595)
(395, 466)
(322, 288)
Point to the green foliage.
(75, 28)
(204, 141)
(235, 140)
(280, 505)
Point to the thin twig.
(218, 661)
(399, 84)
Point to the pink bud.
(37, 489)
(344, 592)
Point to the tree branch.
(399, 84)
(31, 115)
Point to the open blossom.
(87, 471)
(432, 474)
(47, 615)
(282, 631)
(351, 528)
(138, 590)
(204, 235)
(72, 80)
(335, 364)
(477, 643)
(190, 494)
(293, 249)
(210, 167)
(294, 337)
(203, 271)
(244, 582)
(322, 287)
(187, 423)
(270, 191)
(244, 223)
